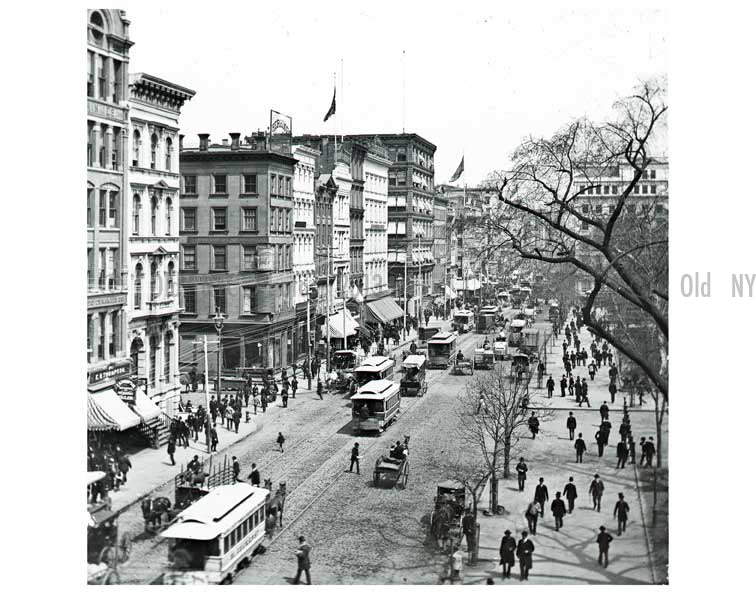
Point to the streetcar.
(374, 368)
(442, 348)
(375, 406)
(413, 383)
(463, 321)
(216, 537)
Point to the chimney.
(181, 142)
(234, 140)
(224, 142)
(204, 138)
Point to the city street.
(360, 533)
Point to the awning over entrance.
(337, 323)
(384, 310)
(145, 408)
(107, 412)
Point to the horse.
(441, 521)
(153, 510)
(275, 504)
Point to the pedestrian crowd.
(114, 462)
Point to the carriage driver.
(460, 355)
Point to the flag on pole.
(332, 109)
(459, 170)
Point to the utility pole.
(406, 280)
(204, 343)
(308, 371)
(418, 299)
(218, 320)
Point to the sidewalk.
(598, 388)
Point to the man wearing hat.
(507, 553)
(570, 493)
(649, 450)
(558, 510)
(355, 458)
(303, 560)
(603, 539)
(596, 491)
(620, 512)
(541, 494)
(525, 550)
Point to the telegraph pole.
(204, 343)
(308, 371)
(218, 320)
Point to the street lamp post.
(218, 321)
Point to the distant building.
(237, 234)
(153, 235)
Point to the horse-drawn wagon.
(462, 366)
(393, 470)
(446, 517)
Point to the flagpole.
(404, 91)
(334, 122)
(341, 90)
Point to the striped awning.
(107, 412)
(384, 310)
(337, 324)
(144, 407)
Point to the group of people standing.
(114, 462)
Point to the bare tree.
(493, 420)
(542, 216)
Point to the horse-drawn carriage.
(343, 364)
(446, 517)
(483, 357)
(106, 549)
(393, 470)
(462, 366)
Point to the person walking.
(355, 457)
(280, 441)
(507, 550)
(294, 386)
(213, 439)
(236, 468)
(264, 397)
(571, 384)
(600, 442)
(631, 447)
(579, 392)
(596, 491)
(303, 560)
(319, 389)
(541, 494)
(580, 448)
(571, 425)
(172, 450)
(522, 473)
(237, 419)
(531, 515)
(285, 394)
(570, 494)
(533, 424)
(621, 508)
(642, 446)
(254, 476)
(255, 403)
(563, 386)
(550, 386)
(558, 510)
(604, 411)
(525, 549)
(592, 369)
(229, 418)
(584, 392)
(603, 539)
(621, 454)
(649, 451)
(612, 390)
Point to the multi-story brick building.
(108, 47)
(153, 235)
(237, 230)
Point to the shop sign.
(126, 390)
(111, 372)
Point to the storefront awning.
(471, 284)
(384, 310)
(145, 407)
(107, 412)
(337, 323)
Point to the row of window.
(101, 71)
(103, 342)
(614, 189)
(282, 257)
(106, 268)
(247, 526)
(106, 207)
(282, 298)
(136, 159)
(637, 209)
(155, 282)
(154, 215)
(280, 185)
(103, 146)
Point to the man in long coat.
(525, 549)
(570, 494)
(507, 554)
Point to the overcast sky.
(479, 77)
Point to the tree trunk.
(494, 493)
(507, 453)
(659, 419)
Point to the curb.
(649, 545)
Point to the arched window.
(171, 273)
(136, 142)
(136, 207)
(168, 153)
(153, 281)
(153, 216)
(153, 151)
(167, 348)
(138, 287)
(137, 346)
(154, 346)
(97, 27)
(168, 215)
